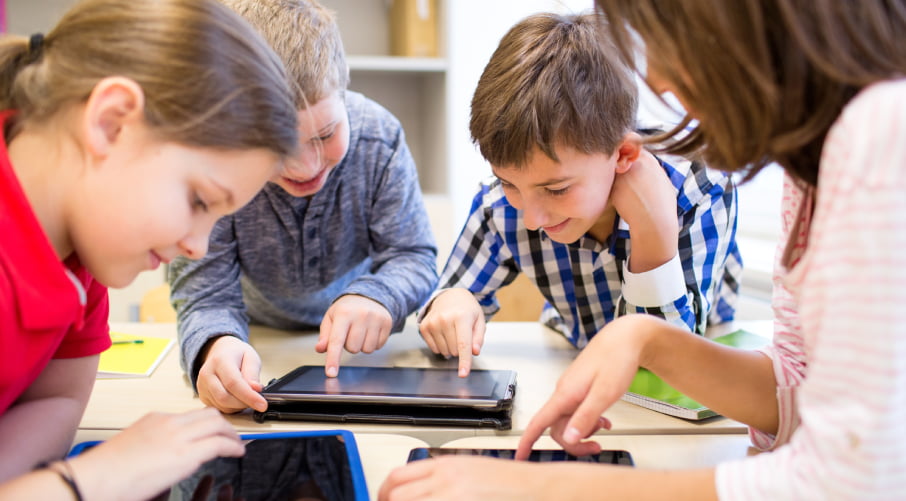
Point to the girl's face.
(150, 201)
(323, 142)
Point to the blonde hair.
(550, 83)
(208, 79)
(306, 37)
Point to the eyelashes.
(199, 204)
(550, 191)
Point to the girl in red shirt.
(129, 129)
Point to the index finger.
(463, 330)
(542, 420)
(339, 329)
(324, 333)
(563, 403)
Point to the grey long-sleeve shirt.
(281, 261)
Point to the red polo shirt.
(48, 309)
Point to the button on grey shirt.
(281, 261)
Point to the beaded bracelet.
(66, 475)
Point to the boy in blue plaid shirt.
(601, 226)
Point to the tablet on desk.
(399, 395)
(311, 465)
(537, 455)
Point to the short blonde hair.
(306, 37)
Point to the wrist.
(203, 353)
(653, 239)
(432, 301)
(652, 246)
(63, 470)
(647, 333)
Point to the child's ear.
(628, 151)
(113, 103)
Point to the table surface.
(537, 354)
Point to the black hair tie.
(35, 47)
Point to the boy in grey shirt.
(339, 240)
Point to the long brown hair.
(765, 78)
(209, 79)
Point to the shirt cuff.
(662, 285)
(788, 413)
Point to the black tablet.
(605, 456)
(409, 386)
(312, 465)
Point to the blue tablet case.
(359, 487)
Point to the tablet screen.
(309, 468)
(410, 382)
(605, 456)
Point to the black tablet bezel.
(501, 395)
(606, 456)
(409, 415)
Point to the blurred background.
(421, 59)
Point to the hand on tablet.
(454, 326)
(356, 323)
(596, 379)
(466, 478)
(154, 453)
(228, 378)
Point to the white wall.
(24, 17)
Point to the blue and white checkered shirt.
(585, 282)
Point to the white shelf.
(397, 64)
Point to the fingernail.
(603, 422)
(571, 435)
(331, 372)
(463, 372)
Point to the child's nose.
(534, 216)
(306, 164)
(195, 245)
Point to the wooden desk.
(380, 453)
(537, 354)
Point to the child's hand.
(228, 378)
(454, 325)
(590, 385)
(466, 478)
(154, 453)
(356, 323)
(646, 199)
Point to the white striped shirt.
(839, 348)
